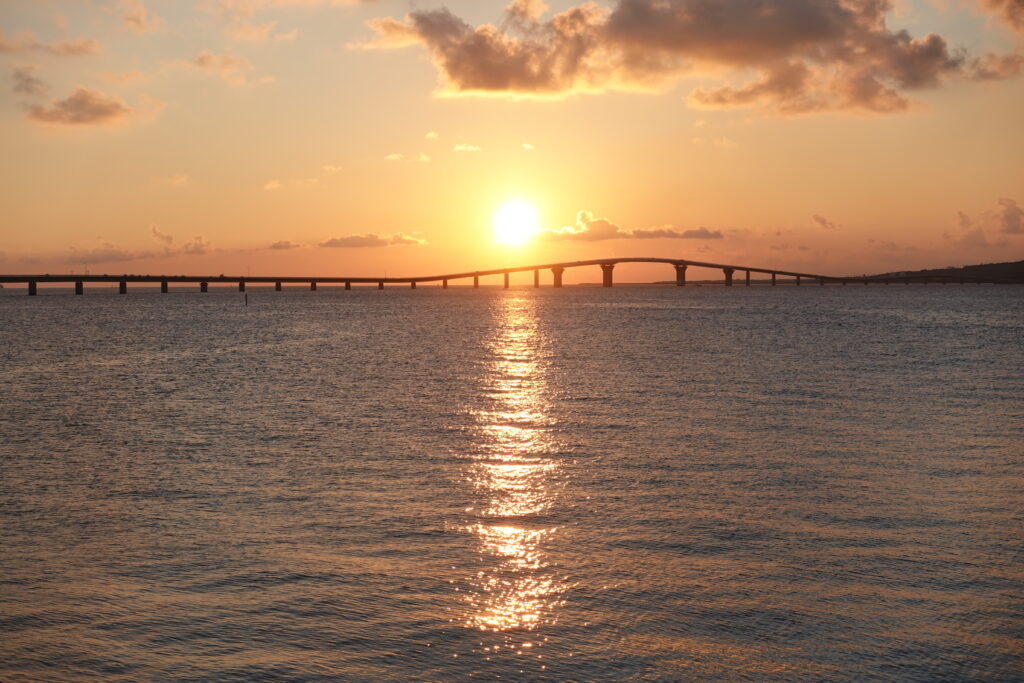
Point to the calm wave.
(579, 484)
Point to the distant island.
(1012, 271)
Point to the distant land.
(1012, 271)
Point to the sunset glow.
(515, 223)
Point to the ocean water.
(582, 484)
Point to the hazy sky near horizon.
(330, 137)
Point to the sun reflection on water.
(515, 477)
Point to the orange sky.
(298, 137)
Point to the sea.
(640, 483)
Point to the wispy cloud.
(463, 147)
(372, 240)
(26, 42)
(136, 17)
(232, 68)
(272, 185)
(823, 222)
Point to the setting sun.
(515, 222)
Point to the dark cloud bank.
(808, 55)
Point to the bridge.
(606, 265)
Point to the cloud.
(1007, 219)
(26, 84)
(159, 236)
(137, 19)
(178, 179)
(83, 107)
(197, 245)
(461, 147)
(107, 253)
(992, 67)
(272, 185)
(423, 158)
(824, 222)
(1010, 217)
(810, 55)
(372, 240)
(432, 135)
(26, 42)
(1011, 11)
(283, 245)
(229, 67)
(331, 168)
(590, 229)
(123, 78)
(528, 147)
(395, 157)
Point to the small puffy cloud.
(590, 229)
(331, 168)
(27, 42)
(462, 147)
(371, 240)
(197, 245)
(395, 157)
(432, 135)
(1010, 217)
(423, 158)
(228, 67)
(284, 245)
(272, 185)
(993, 67)
(26, 83)
(528, 147)
(725, 143)
(84, 107)
(136, 17)
(823, 222)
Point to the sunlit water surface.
(576, 484)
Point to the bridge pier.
(412, 284)
(277, 286)
(606, 274)
(241, 285)
(556, 273)
(747, 283)
(31, 287)
(506, 280)
(797, 280)
(444, 284)
(312, 286)
(680, 274)
(204, 286)
(348, 285)
(79, 288)
(163, 287)
(773, 279)
(536, 279)
(380, 284)
(122, 287)
(821, 281)
(728, 276)
(476, 282)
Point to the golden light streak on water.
(513, 477)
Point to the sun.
(515, 222)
